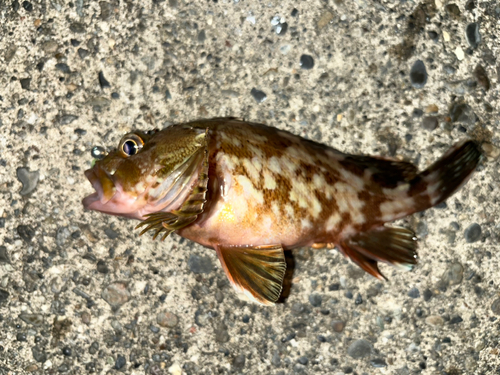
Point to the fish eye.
(131, 144)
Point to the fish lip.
(94, 176)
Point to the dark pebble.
(77, 27)
(470, 5)
(115, 95)
(418, 74)
(239, 361)
(414, 293)
(200, 264)
(378, 363)
(454, 274)
(154, 329)
(63, 368)
(75, 43)
(102, 81)
(33, 319)
(4, 256)
(359, 299)
(258, 95)
(40, 66)
(93, 348)
(28, 179)
(303, 360)
(456, 319)
(4, 295)
(315, 299)
(66, 351)
(360, 349)
(83, 53)
(430, 123)
(202, 36)
(39, 354)
(334, 287)
(102, 267)
(472, 233)
(448, 69)
(306, 62)
(348, 294)
(221, 333)
(294, 13)
(25, 83)
(98, 152)
(21, 336)
(433, 35)
(120, 362)
(427, 295)
(63, 67)
(111, 233)
(2, 219)
(15, 5)
(26, 232)
(27, 6)
(482, 78)
(495, 306)
(473, 35)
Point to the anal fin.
(392, 245)
(255, 271)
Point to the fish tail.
(446, 175)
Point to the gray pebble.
(111, 233)
(430, 123)
(481, 77)
(83, 53)
(67, 119)
(462, 112)
(495, 306)
(472, 34)
(167, 319)
(4, 256)
(102, 267)
(378, 363)
(25, 83)
(63, 68)
(258, 95)
(453, 274)
(306, 62)
(472, 233)
(94, 347)
(77, 27)
(418, 74)
(239, 361)
(33, 319)
(338, 325)
(448, 69)
(63, 234)
(414, 293)
(120, 362)
(200, 264)
(28, 179)
(360, 349)
(427, 294)
(39, 354)
(276, 360)
(315, 299)
(202, 36)
(221, 333)
(116, 294)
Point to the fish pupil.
(130, 147)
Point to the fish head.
(148, 172)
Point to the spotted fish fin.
(255, 271)
(392, 245)
(446, 175)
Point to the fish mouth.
(104, 186)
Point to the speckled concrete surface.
(80, 292)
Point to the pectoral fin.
(255, 271)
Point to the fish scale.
(251, 191)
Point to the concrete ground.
(80, 292)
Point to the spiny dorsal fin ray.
(255, 271)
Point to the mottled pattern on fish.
(249, 191)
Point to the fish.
(251, 191)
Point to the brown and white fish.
(250, 192)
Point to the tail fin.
(445, 176)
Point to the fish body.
(250, 192)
